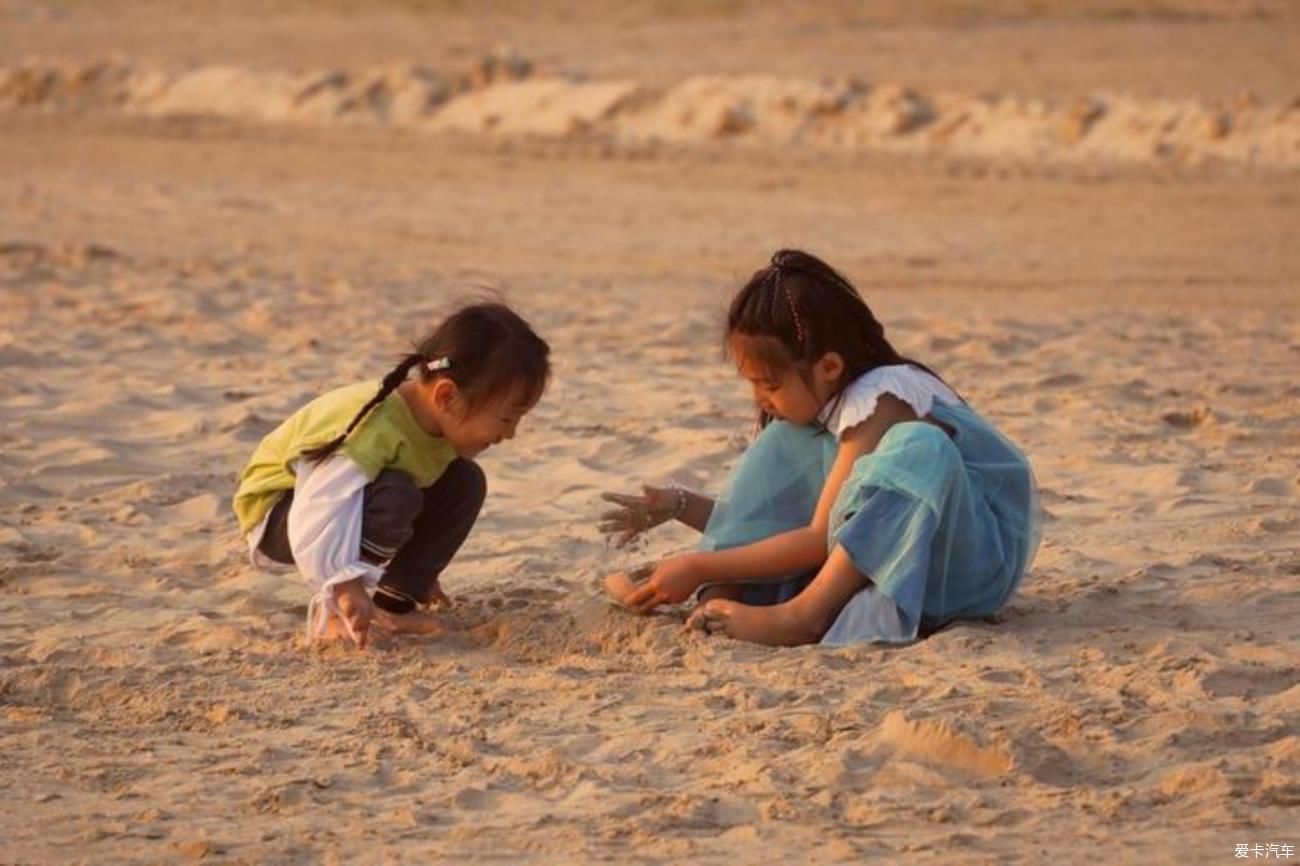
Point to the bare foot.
(413, 622)
(334, 629)
(774, 625)
(440, 598)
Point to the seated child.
(874, 505)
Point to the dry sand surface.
(173, 282)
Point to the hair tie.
(437, 364)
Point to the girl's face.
(794, 394)
(472, 429)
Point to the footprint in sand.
(1271, 486)
(1061, 380)
(1250, 682)
(1188, 418)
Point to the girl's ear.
(829, 367)
(446, 396)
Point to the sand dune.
(504, 95)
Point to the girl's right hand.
(356, 610)
(673, 581)
(637, 514)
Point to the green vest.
(388, 438)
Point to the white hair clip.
(438, 364)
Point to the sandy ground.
(170, 287)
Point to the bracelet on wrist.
(679, 503)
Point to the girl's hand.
(356, 610)
(673, 581)
(637, 514)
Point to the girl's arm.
(698, 510)
(781, 555)
(325, 535)
(805, 548)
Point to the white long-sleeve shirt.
(324, 531)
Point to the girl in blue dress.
(874, 505)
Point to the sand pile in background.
(503, 95)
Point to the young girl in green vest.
(372, 488)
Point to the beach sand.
(174, 281)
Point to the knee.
(468, 480)
(921, 442)
(788, 440)
(394, 497)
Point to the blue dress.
(944, 526)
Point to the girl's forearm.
(779, 556)
(698, 510)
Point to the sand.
(172, 283)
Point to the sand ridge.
(505, 95)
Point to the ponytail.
(485, 349)
(395, 377)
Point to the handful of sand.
(620, 585)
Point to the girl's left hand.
(673, 581)
(638, 514)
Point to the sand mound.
(398, 94)
(940, 744)
(504, 95)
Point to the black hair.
(805, 308)
(485, 348)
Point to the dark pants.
(417, 532)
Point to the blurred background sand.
(213, 211)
